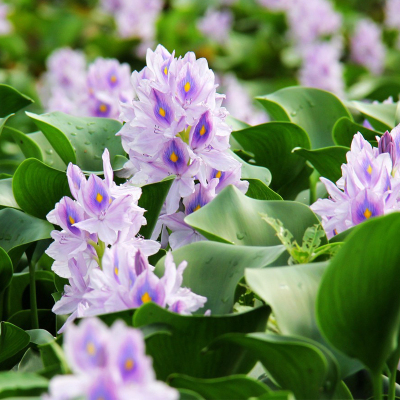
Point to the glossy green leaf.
(38, 187)
(50, 156)
(291, 293)
(345, 129)
(18, 228)
(185, 394)
(12, 340)
(81, 140)
(375, 88)
(152, 200)
(181, 352)
(28, 146)
(6, 194)
(6, 270)
(272, 144)
(40, 336)
(259, 191)
(238, 387)
(3, 122)
(295, 364)
(315, 110)
(214, 269)
(53, 358)
(21, 385)
(358, 287)
(381, 116)
(327, 161)
(235, 218)
(279, 395)
(18, 297)
(250, 171)
(300, 183)
(12, 100)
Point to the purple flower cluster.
(134, 18)
(367, 48)
(239, 102)
(99, 251)
(72, 87)
(176, 126)
(107, 363)
(5, 25)
(392, 14)
(369, 186)
(322, 68)
(216, 25)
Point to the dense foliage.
(153, 247)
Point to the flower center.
(99, 198)
(146, 298)
(187, 86)
(367, 213)
(173, 157)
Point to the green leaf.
(38, 187)
(185, 394)
(214, 269)
(250, 171)
(28, 146)
(315, 110)
(81, 140)
(18, 297)
(358, 287)
(181, 352)
(381, 116)
(18, 228)
(302, 182)
(3, 122)
(260, 191)
(6, 270)
(295, 364)
(12, 341)
(326, 161)
(12, 100)
(40, 336)
(279, 395)
(345, 129)
(272, 144)
(6, 194)
(238, 387)
(291, 293)
(21, 385)
(50, 156)
(53, 358)
(234, 218)
(152, 200)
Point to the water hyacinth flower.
(97, 90)
(367, 48)
(322, 67)
(369, 186)
(5, 25)
(392, 14)
(134, 18)
(100, 252)
(175, 125)
(107, 363)
(216, 25)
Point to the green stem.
(313, 186)
(377, 382)
(34, 311)
(392, 385)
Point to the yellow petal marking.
(218, 174)
(173, 157)
(187, 86)
(99, 198)
(91, 349)
(165, 71)
(369, 169)
(146, 298)
(116, 271)
(367, 213)
(129, 364)
(161, 112)
(113, 79)
(71, 220)
(103, 108)
(202, 130)
(197, 208)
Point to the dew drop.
(73, 133)
(293, 113)
(79, 127)
(49, 152)
(240, 235)
(7, 237)
(87, 142)
(69, 123)
(96, 157)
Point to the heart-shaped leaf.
(315, 110)
(12, 100)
